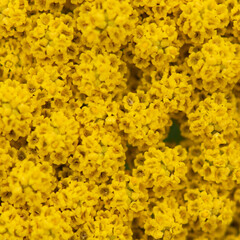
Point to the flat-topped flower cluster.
(89, 93)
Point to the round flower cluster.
(119, 119)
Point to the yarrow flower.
(119, 119)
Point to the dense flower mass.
(119, 119)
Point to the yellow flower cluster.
(155, 42)
(100, 74)
(15, 110)
(201, 20)
(107, 24)
(215, 64)
(119, 119)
